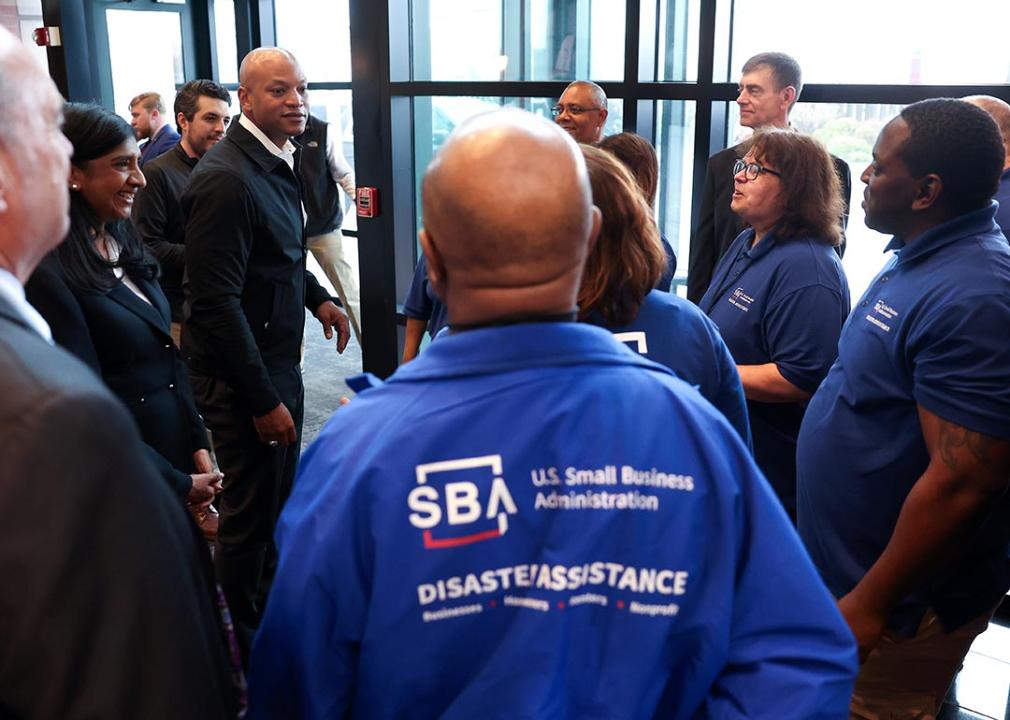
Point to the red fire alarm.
(368, 202)
(46, 36)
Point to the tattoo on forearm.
(953, 439)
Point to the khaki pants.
(907, 679)
(328, 250)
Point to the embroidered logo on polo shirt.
(475, 498)
(740, 300)
(881, 315)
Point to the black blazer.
(106, 605)
(718, 226)
(246, 284)
(127, 342)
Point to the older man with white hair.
(105, 608)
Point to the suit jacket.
(160, 144)
(105, 604)
(718, 226)
(247, 285)
(127, 342)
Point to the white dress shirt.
(12, 291)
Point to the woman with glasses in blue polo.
(779, 294)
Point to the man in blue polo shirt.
(904, 452)
(529, 520)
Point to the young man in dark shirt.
(201, 109)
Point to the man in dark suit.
(769, 89)
(150, 121)
(104, 606)
(244, 317)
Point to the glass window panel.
(460, 40)
(931, 42)
(157, 38)
(334, 106)
(849, 131)
(677, 40)
(675, 149)
(318, 32)
(224, 33)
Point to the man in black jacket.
(106, 610)
(242, 335)
(201, 110)
(769, 89)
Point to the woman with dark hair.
(618, 293)
(99, 293)
(779, 294)
(639, 157)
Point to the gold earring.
(75, 187)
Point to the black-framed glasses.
(574, 110)
(752, 170)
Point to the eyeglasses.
(752, 170)
(573, 110)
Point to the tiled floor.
(982, 688)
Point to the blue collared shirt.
(931, 330)
(518, 557)
(1003, 198)
(783, 302)
(673, 332)
(422, 303)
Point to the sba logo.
(476, 495)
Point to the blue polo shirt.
(673, 332)
(422, 303)
(574, 534)
(1003, 198)
(781, 301)
(931, 330)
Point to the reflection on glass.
(458, 40)
(848, 130)
(677, 40)
(334, 106)
(224, 32)
(145, 54)
(939, 43)
(675, 148)
(318, 32)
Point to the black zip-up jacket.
(246, 282)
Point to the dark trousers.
(257, 482)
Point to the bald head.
(261, 62)
(508, 217)
(34, 161)
(273, 93)
(1000, 112)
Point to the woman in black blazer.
(99, 293)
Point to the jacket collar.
(253, 147)
(490, 350)
(977, 222)
(157, 313)
(8, 311)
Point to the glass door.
(140, 46)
